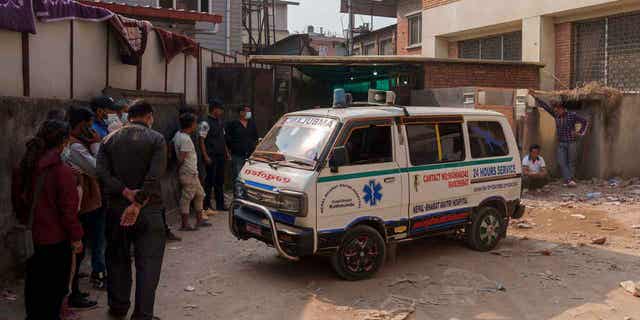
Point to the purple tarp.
(56, 10)
(18, 15)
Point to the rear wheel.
(361, 254)
(485, 231)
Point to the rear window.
(487, 139)
(435, 143)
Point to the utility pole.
(351, 27)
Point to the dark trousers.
(215, 180)
(533, 183)
(237, 162)
(148, 239)
(47, 281)
(95, 231)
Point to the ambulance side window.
(435, 143)
(487, 139)
(369, 145)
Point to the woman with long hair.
(56, 230)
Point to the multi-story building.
(380, 42)
(578, 40)
(326, 44)
(271, 14)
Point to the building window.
(607, 50)
(386, 48)
(501, 47)
(204, 6)
(369, 49)
(415, 29)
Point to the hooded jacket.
(56, 212)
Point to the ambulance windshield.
(297, 140)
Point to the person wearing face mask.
(241, 138)
(130, 163)
(79, 157)
(44, 192)
(107, 117)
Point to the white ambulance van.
(349, 181)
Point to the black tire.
(485, 230)
(361, 254)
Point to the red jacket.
(56, 213)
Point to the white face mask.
(124, 117)
(248, 115)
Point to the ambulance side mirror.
(338, 158)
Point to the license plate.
(254, 229)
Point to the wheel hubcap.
(360, 254)
(489, 229)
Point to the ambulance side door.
(368, 186)
(438, 174)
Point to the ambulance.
(351, 180)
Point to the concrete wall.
(71, 60)
(11, 63)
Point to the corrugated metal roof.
(379, 8)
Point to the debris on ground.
(498, 287)
(548, 275)
(579, 216)
(190, 307)
(599, 240)
(190, 289)
(502, 252)
(631, 287)
(593, 195)
(524, 225)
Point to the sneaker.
(171, 237)
(572, 184)
(99, 280)
(82, 303)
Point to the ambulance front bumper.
(250, 220)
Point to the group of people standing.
(91, 176)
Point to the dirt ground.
(547, 268)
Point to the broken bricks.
(599, 240)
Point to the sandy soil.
(551, 271)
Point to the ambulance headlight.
(293, 202)
(239, 190)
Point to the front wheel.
(485, 231)
(361, 254)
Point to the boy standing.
(192, 190)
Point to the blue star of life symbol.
(372, 194)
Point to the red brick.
(405, 7)
(563, 54)
(456, 74)
(428, 4)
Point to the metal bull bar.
(274, 232)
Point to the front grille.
(264, 198)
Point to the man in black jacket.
(214, 153)
(242, 138)
(130, 164)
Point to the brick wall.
(563, 54)
(455, 74)
(405, 7)
(428, 4)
